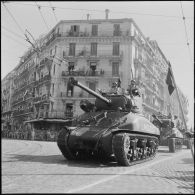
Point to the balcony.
(90, 73)
(145, 65)
(101, 54)
(53, 38)
(46, 78)
(77, 34)
(41, 99)
(22, 112)
(83, 73)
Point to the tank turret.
(106, 101)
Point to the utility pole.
(181, 108)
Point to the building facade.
(95, 52)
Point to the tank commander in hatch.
(133, 89)
(113, 89)
(135, 95)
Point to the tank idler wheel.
(122, 149)
(62, 143)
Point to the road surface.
(39, 167)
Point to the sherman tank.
(109, 129)
(174, 136)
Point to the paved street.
(39, 167)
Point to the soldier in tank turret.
(133, 89)
(134, 92)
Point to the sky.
(159, 20)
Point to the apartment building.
(97, 53)
(6, 95)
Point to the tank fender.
(119, 130)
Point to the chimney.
(88, 16)
(107, 11)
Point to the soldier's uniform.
(135, 96)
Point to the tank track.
(130, 149)
(62, 143)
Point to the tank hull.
(95, 138)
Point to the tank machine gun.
(109, 128)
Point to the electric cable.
(21, 37)
(186, 34)
(14, 39)
(103, 11)
(53, 9)
(13, 18)
(39, 8)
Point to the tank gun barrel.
(78, 84)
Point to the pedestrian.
(32, 134)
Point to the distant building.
(97, 53)
(6, 96)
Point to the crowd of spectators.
(37, 134)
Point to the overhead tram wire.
(14, 40)
(53, 9)
(13, 18)
(103, 11)
(186, 34)
(39, 8)
(27, 39)
(14, 33)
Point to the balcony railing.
(100, 54)
(77, 34)
(90, 73)
(45, 78)
(20, 112)
(53, 38)
(54, 114)
(42, 98)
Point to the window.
(94, 49)
(74, 30)
(116, 30)
(70, 66)
(58, 31)
(94, 30)
(70, 90)
(93, 68)
(72, 47)
(34, 75)
(69, 110)
(116, 48)
(115, 68)
(53, 89)
(92, 86)
(50, 52)
(54, 68)
(64, 54)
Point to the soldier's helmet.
(133, 82)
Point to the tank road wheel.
(122, 149)
(62, 143)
